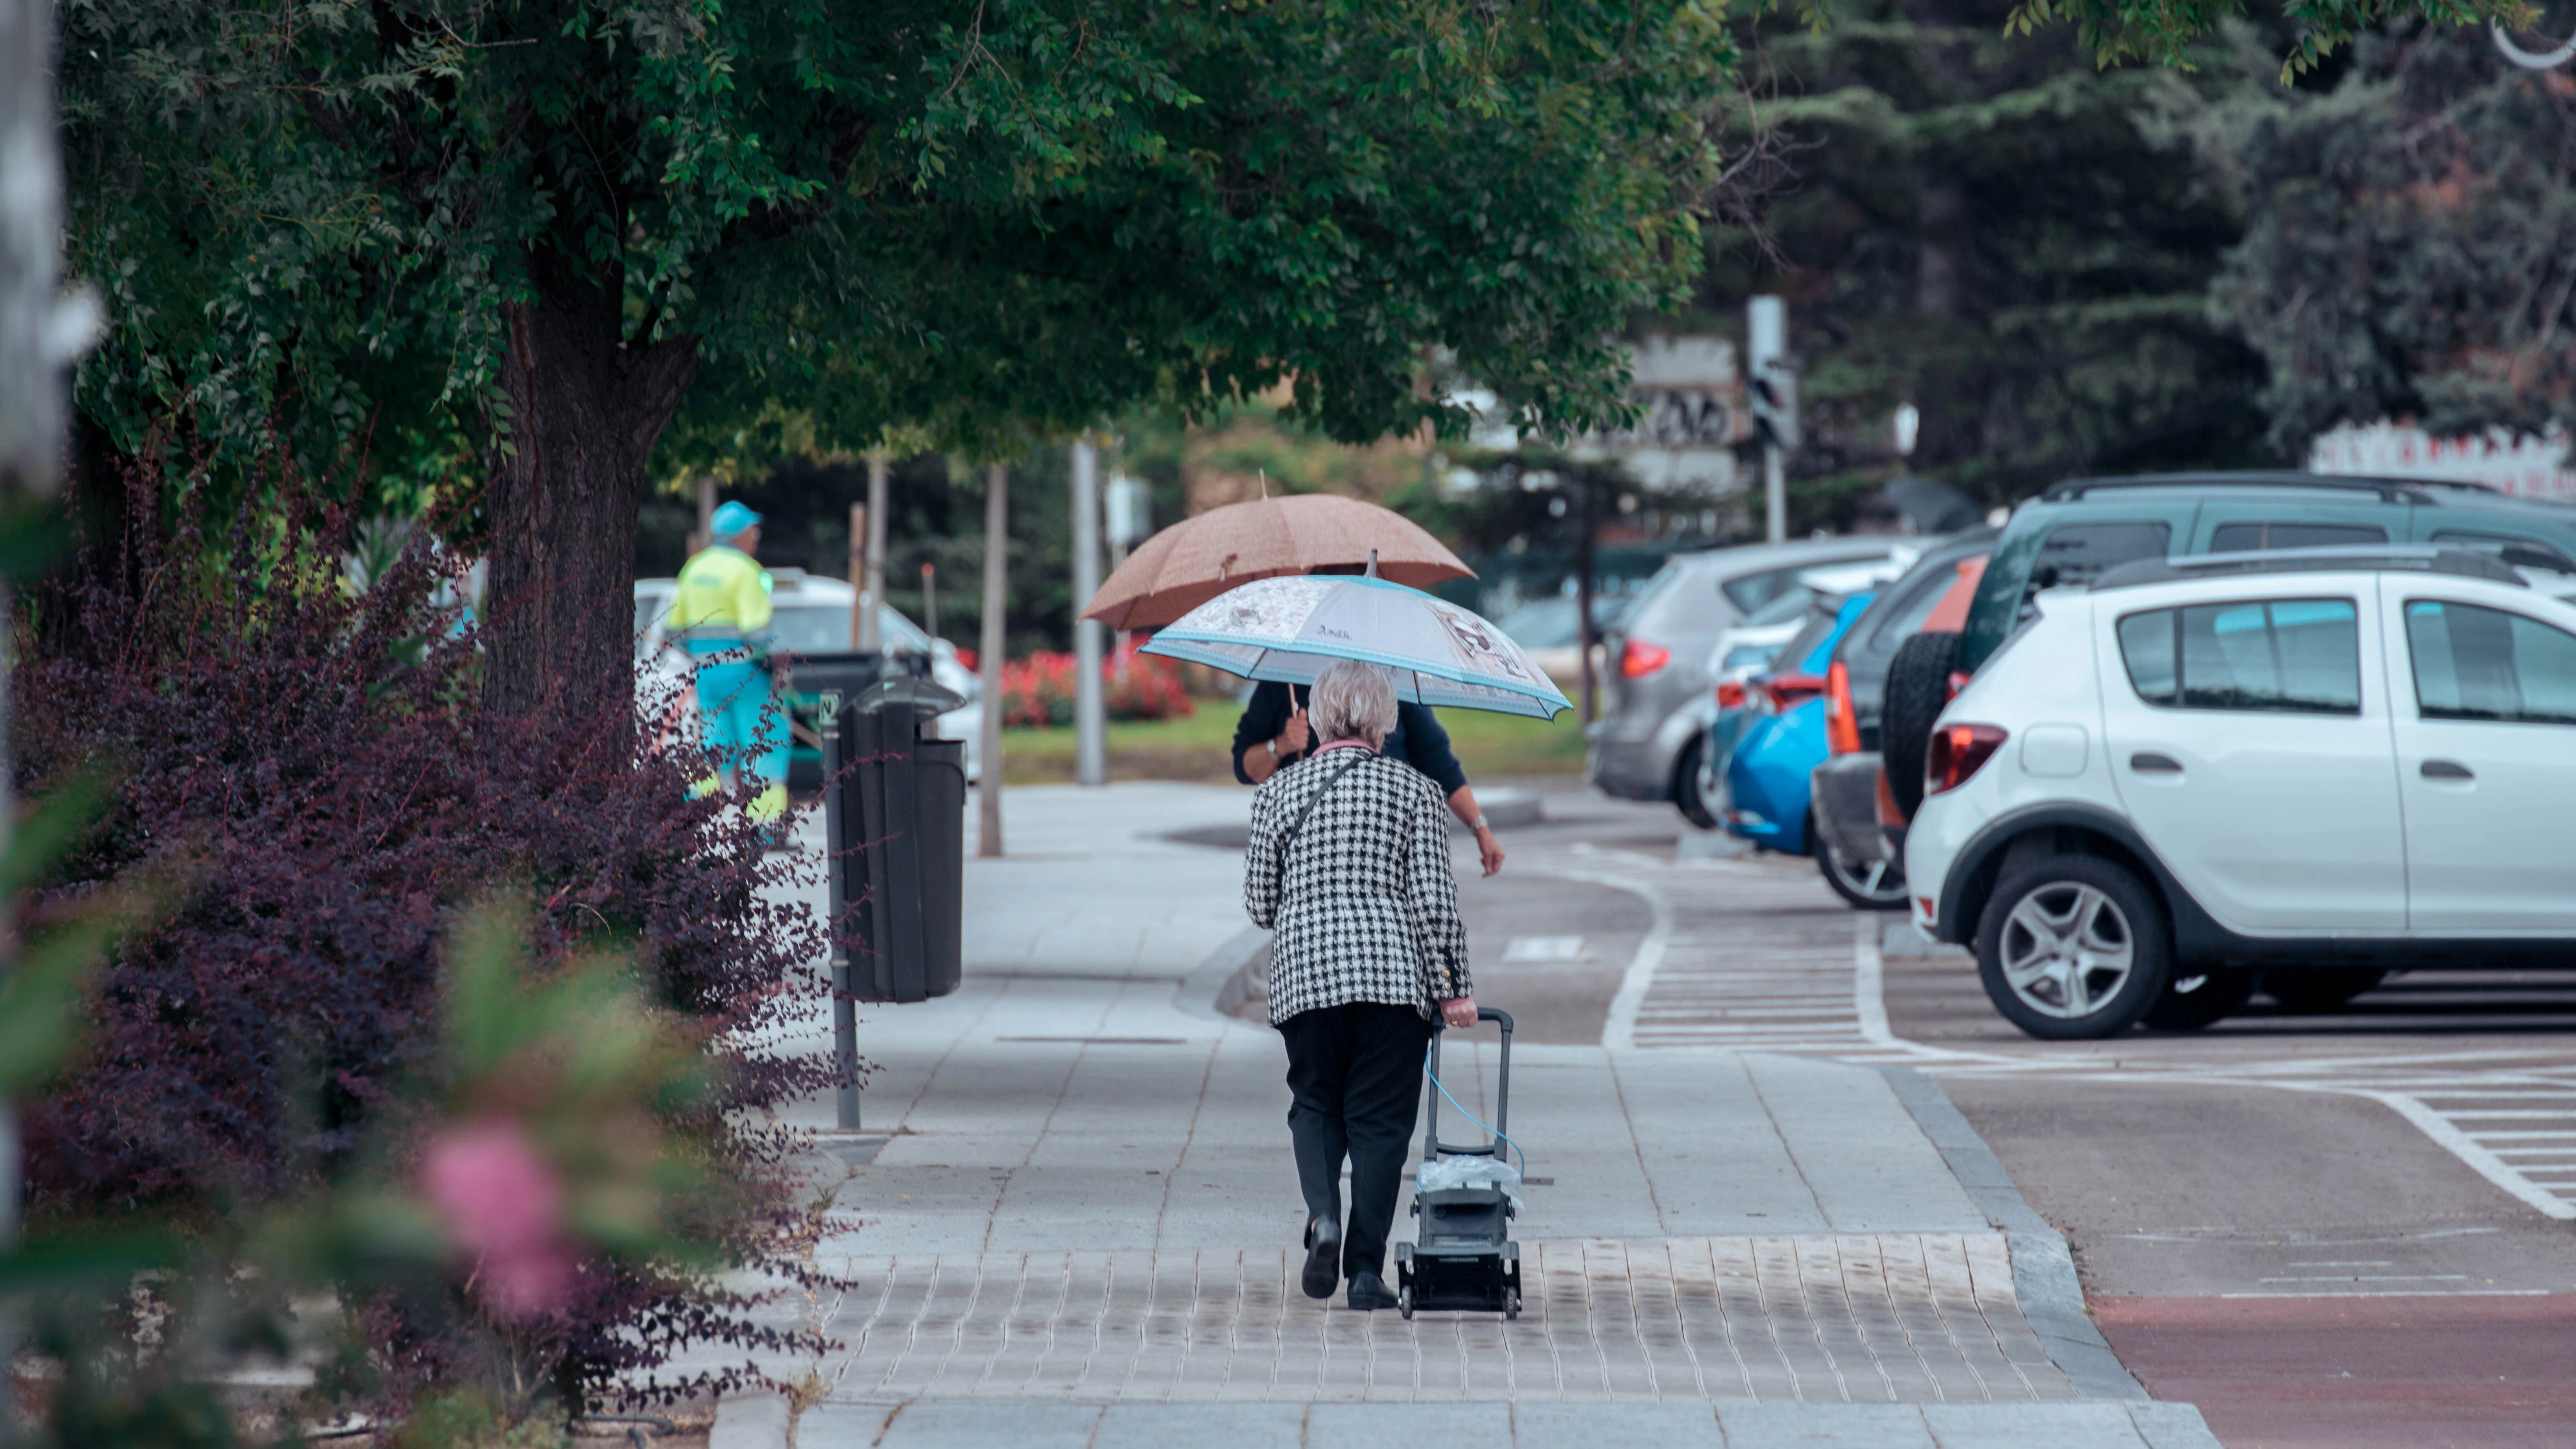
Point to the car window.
(2488, 664)
(1750, 592)
(2298, 655)
(2079, 553)
(1818, 628)
(2252, 537)
(1910, 612)
(1784, 607)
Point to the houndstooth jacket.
(1362, 901)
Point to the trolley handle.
(1502, 1089)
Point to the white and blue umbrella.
(1290, 628)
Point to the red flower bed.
(1038, 691)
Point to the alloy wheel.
(2067, 949)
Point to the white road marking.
(1769, 984)
(1544, 948)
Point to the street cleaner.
(723, 613)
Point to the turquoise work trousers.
(746, 730)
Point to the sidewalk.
(1071, 1218)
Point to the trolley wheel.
(1404, 1303)
(1512, 1303)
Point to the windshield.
(817, 628)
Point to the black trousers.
(1355, 1071)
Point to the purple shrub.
(310, 783)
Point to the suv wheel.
(1867, 885)
(1695, 792)
(2200, 996)
(1918, 688)
(2073, 947)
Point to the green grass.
(1491, 746)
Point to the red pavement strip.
(2449, 1372)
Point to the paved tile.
(1846, 1426)
(948, 1424)
(1408, 1426)
(2031, 1426)
(1201, 1426)
(1615, 1426)
(1851, 1319)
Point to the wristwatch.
(1272, 746)
(1476, 824)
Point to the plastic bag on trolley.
(1451, 1173)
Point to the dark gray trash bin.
(814, 676)
(903, 851)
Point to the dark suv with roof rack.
(2077, 530)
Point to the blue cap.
(732, 518)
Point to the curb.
(2043, 1270)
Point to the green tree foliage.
(2166, 30)
(1980, 226)
(517, 239)
(2410, 241)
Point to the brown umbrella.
(1197, 559)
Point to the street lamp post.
(997, 595)
(1773, 392)
(1090, 725)
(871, 575)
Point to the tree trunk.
(586, 407)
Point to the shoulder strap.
(1290, 838)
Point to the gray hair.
(1352, 701)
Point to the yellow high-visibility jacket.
(723, 602)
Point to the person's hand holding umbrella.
(1286, 630)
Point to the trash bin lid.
(907, 692)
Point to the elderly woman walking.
(1349, 866)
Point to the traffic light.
(1773, 392)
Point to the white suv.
(2321, 764)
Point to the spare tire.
(1918, 686)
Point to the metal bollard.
(845, 1011)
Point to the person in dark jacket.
(1349, 864)
(1273, 733)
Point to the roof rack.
(2410, 557)
(2389, 490)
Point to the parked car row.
(2158, 743)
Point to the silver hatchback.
(1660, 697)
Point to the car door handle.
(2147, 762)
(2445, 770)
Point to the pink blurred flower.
(503, 1205)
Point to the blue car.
(1778, 739)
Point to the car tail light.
(1842, 729)
(1637, 659)
(1786, 691)
(1730, 695)
(1958, 751)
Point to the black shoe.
(1323, 1257)
(1368, 1291)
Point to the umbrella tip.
(1265, 485)
(1372, 568)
